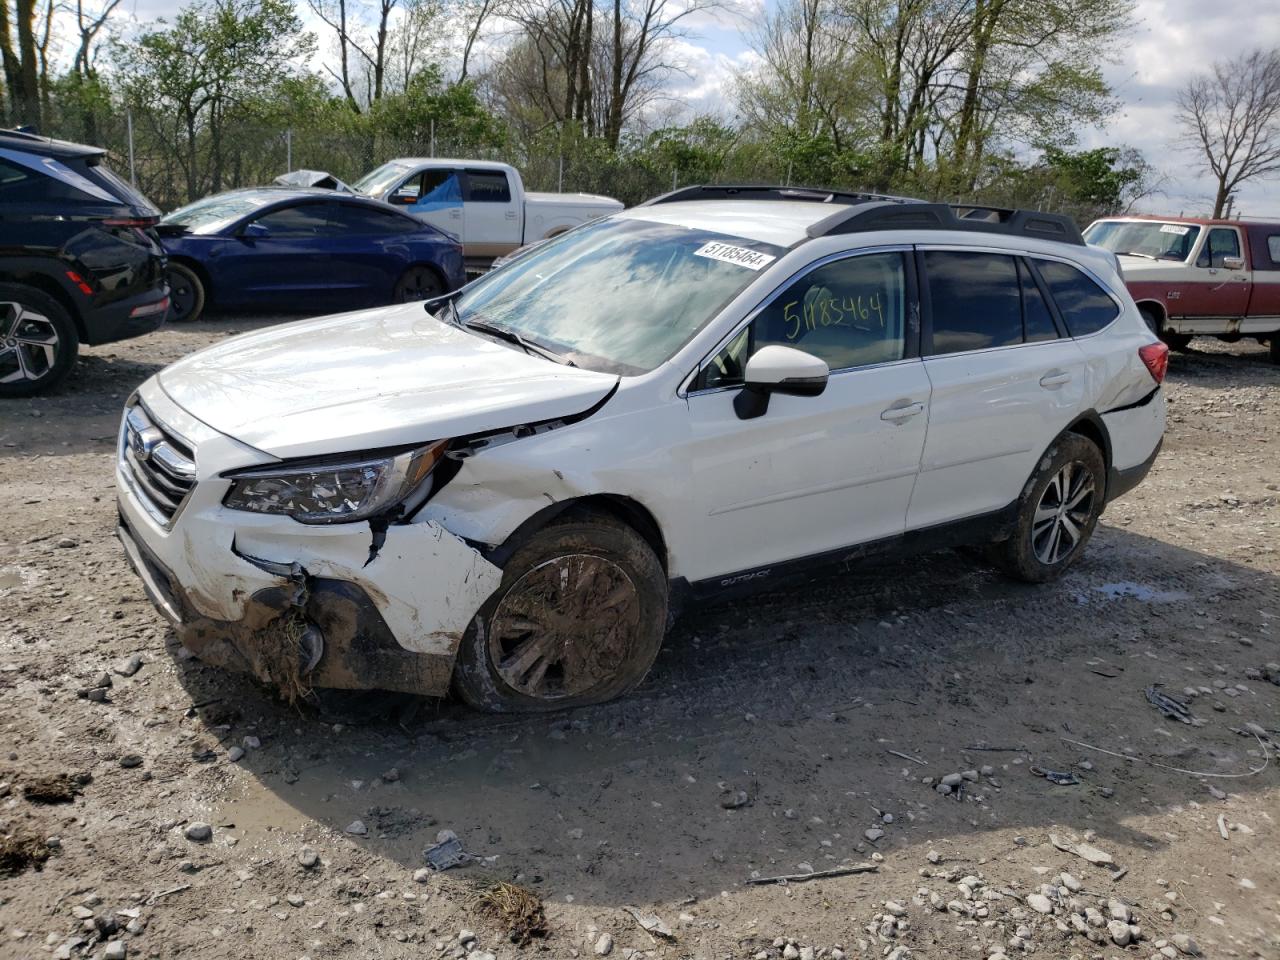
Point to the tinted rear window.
(976, 303)
(1084, 306)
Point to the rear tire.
(1274, 349)
(38, 341)
(1058, 512)
(578, 619)
(419, 283)
(186, 293)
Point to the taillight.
(1156, 357)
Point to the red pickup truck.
(1195, 277)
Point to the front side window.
(850, 313)
(1273, 247)
(976, 303)
(301, 222)
(488, 186)
(1083, 305)
(619, 295)
(1221, 243)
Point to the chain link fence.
(159, 157)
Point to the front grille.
(162, 466)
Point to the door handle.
(1051, 380)
(904, 412)
(455, 214)
(511, 214)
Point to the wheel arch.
(50, 287)
(1090, 426)
(1155, 306)
(199, 269)
(620, 507)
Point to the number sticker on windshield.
(751, 259)
(1174, 228)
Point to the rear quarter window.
(1084, 306)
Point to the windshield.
(620, 296)
(213, 213)
(381, 179)
(1147, 238)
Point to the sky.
(1170, 41)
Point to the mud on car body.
(509, 491)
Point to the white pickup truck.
(482, 203)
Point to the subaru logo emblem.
(144, 442)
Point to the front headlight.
(339, 492)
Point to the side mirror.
(255, 231)
(778, 369)
(1233, 263)
(403, 198)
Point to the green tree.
(219, 62)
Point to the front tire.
(186, 293)
(1273, 350)
(38, 341)
(578, 619)
(1058, 512)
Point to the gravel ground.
(804, 730)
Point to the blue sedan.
(272, 248)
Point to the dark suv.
(79, 259)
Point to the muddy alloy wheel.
(578, 619)
(563, 625)
(1057, 512)
(418, 283)
(38, 342)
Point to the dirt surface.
(766, 741)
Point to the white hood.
(375, 378)
(1142, 268)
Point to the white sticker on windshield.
(1175, 228)
(751, 259)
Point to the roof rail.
(765, 191)
(876, 211)
(942, 216)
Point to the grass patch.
(518, 910)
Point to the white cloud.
(1174, 40)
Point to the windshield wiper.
(503, 333)
(1135, 253)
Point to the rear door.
(1212, 288)
(366, 250)
(491, 214)
(1005, 379)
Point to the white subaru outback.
(511, 491)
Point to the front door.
(813, 474)
(1212, 289)
(435, 197)
(285, 259)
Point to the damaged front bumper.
(304, 606)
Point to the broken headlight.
(335, 492)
